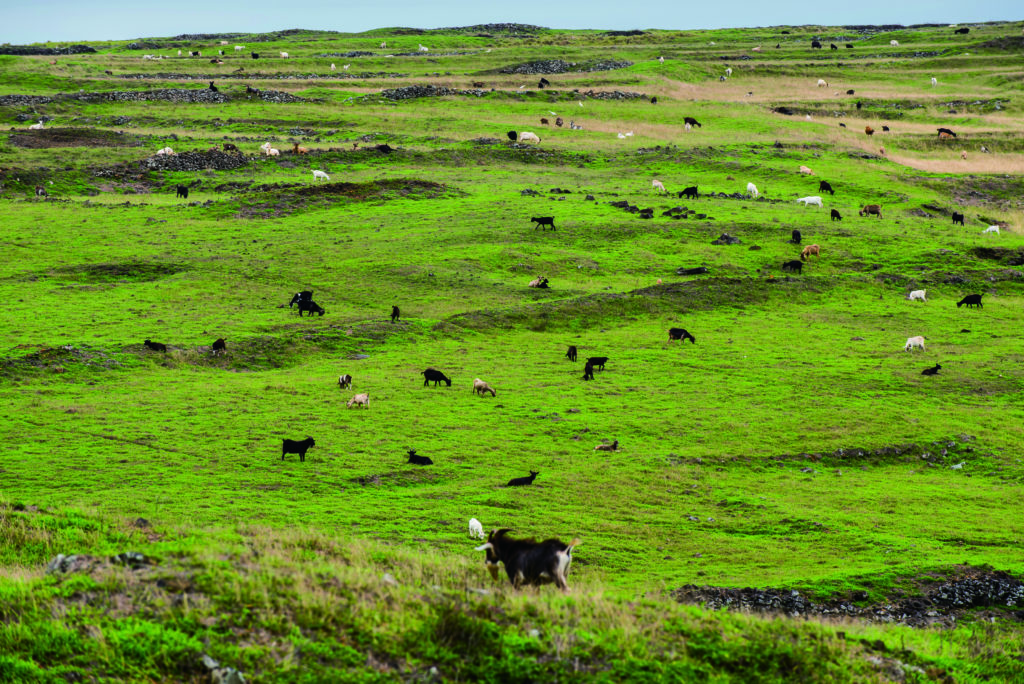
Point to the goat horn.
(484, 547)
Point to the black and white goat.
(528, 562)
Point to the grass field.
(794, 446)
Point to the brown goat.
(300, 150)
(869, 209)
(869, 130)
(810, 250)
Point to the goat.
(690, 192)
(680, 334)
(795, 237)
(284, 55)
(312, 307)
(528, 562)
(219, 346)
(231, 147)
(476, 530)
(963, 154)
(523, 481)
(728, 71)
(291, 446)
(971, 300)
(894, 43)
(571, 353)
(962, 31)
(317, 175)
(869, 130)
(869, 209)
(424, 48)
(849, 46)
(690, 120)
(934, 370)
(396, 313)
(542, 221)
(808, 201)
(273, 152)
(254, 55)
(752, 189)
(822, 83)
(934, 82)
(297, 149)
(588, 371)
(991, 229)
(544, 121)
(435, 376)
(836, 216)
(213, 88)
(658, 185)
(239, 48)
(480, 387)
(41, 191)
(825, 186)
(38, 127)
(165, 151)
(948, 132)
(597, 361)
(851, 91)
(155, 346)
(833, 46)
(345, 381)
(806, 171)
(913, 342)
(539, 282)
(559, 121)
(958, 218)
(810, 250)
(614, 446)
(918, 295)
(816, 45)
(795, 266)
(183, 191)
(526, 135)
(299, 297)
(359, 400)
(512, 135)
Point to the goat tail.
(573, 544)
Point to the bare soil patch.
(72, 137)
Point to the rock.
(222, 675)
(132, 559)
(529, 193)
(73, 563)
(683, 271)
(726, 239)
(38, 50)
(559, 66)
(389, 579)
(589, 197)
(194, 161)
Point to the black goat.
(157, 346)
(690, 120)
(971, 300)
(934, 370)
(962, 31)
(571, 354)
(311, 307)
(958, 218)
(40, 191)
(299, 297)
(690, 192)
(588, 372)
(795, 266)
(654, 100)
(435, 376)
(816, 45)
(849, 46)
(213, 87)
(183, 191)
(418, 460)
(824, 186)
(291, 446)
(219, 347)
(597, 361)
(947, 131)
(833, 46)
(542, 221)
(796, 238)
(255, 55)
(528, 562)
(395, 314)
(842, 125)
(885, 129)
(512, 135)
(851, 91)
(680, 334)
(523, 481)
(836, 216)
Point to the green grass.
(275, 566)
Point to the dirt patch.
(46, 360)
(289, 199)
(1006, 255)
(72, 137)
(133, 271)
(941, 599)
(979, 190)
(1010, 43)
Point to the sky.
(23, 22)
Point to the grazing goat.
(480, 387)
(658, 185)
(795, 237)
(523, 481)
(239, 48)
(849, 46)
(869, 130)
(795, 266)
(690, 192)
(540, 283)
(934, 370)
(963, 154)
(312, 307)
(836, 216)
(299, 297)
(869, 209)
(435, 376)
(810, 250)
(885, 129)
(588, 371)
(824, 186)
(815, 45)
(41, 191)
(934, 82)
(971, 300)
(396, 313)
(962, 31)
(913, 342)
(808, 201)
(317, 175)
(597, 361)
(558, 121)
(918, 295)
(822, 83)
(157, 346)
(614, 446)
(219, 346)
(231, 147)
(526, 135)
(693, 122)
(512, 135)
(833, 46)
(991, 229)
(544, 121)
(571, 354)
(254, 55)
(806, 171)
(680, 334)
(958, 218)
(542, 221)
(291, 446)
(476, 530)
(284, 55)
(183, 191)
(528, 562)
(752, 189)
(359, 400)
(345, 381)
(946, 132)
(894, 43)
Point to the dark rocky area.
(416, 91)
(560, 66)
(194, 161)
(40, 50)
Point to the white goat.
(480, 387)
(359, 400)
(991, 229)
(239, 47)
(38, 127)
(752, 189)
(317, 175)
(285, 55)
(822, 83)
(658, 185)
(424, 48)
(918, 295)
(165, 151)
(526, 135)
(476, 530)
(894, 43)
(271, 152)
(383, 45)
(728, 71)
(808, 201)
(914, 342)
(935, 81)
(687, 127)
(806, 170)
(661, 60)
(333, 68)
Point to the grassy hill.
(795, 447)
